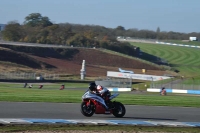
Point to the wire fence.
(177, 83)
(115, 82)
(29, 76)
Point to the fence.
(177, 83)
(28, 76)
(115, 82)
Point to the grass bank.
(185, 60)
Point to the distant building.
(2, 26)
(193, 39)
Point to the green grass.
(51, 93)
(53, 86)
(186, 60)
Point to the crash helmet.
(92, 86)
(99, 88)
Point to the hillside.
(67, 61)
(186, 60)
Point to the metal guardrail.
(28, 76)
(183, 84)
(115, 82)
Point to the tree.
(12, 31)
(158, 33)
(89, 34)
(36, 19)
(120, 28)
(46, 22)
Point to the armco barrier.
(100, 122)
(175, 91)
(119, 89)
(44, 81)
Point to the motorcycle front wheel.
(87, 110)
(119, 109)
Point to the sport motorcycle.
(92, 103)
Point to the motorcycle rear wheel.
(87, 111)
(119, 109)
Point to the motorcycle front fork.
(89, 105)
(109, 104)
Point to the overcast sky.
(169, 15)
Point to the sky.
(168, 15)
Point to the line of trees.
(39, 29)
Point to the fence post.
(152, 83)
(182, 82)
(131, 83)
(198, 84)
(193, 83)
(171, 82)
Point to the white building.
(193, 38)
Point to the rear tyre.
(87, 111)
(119, 109)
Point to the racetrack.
(72, 111)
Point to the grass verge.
(51, 93)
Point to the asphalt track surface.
(72, 111)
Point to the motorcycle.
(92, 103)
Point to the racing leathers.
(104, 93)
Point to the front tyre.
(87, 110)
(119, 109)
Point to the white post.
(83, 71)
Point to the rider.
(163, 91)
(100, 91)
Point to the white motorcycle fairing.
(89, 95)
(93, 103)
(113, 96)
